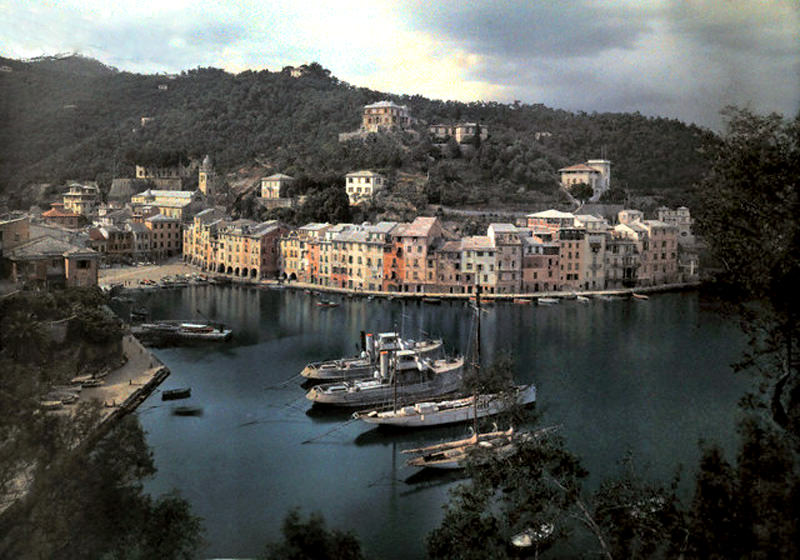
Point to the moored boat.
(449, 411)
(410, 377)
(327, 303)
(180, 330)
(546, 301)
(640, 297)
(364, 365)
(583, 299)
(175, 394)
(522, 301)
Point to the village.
(594, 248)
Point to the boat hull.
(421, 415)
(363, 393)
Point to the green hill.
(70, 117)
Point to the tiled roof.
(552, 213)
(420, 227)
(278, 177)
(160, 218)
(477, 243)
(504, 228)
(580, 167)
(59, 213)
(363, 173)
(44, 247)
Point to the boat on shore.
(402, 376)
(364, 365)
(449, 411)
(181, 330)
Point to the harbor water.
(646, 377)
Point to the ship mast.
(476, 361)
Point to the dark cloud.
(539, 29)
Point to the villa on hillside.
(596, 173)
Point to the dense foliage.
(312, 540)
(75, 119)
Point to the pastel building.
(361, 186)
(272, 186)
(82, 199)
(385, 115)
(596, 173)
(507, 242)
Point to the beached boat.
(180, 330)
(546, 301)
(175, 394)
(401, 376)
(364, 365)
(449, 411)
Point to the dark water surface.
(647, 377)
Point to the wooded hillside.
(74, 118)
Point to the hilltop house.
(596, 173)
(361, 186)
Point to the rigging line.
(283, 383)
(332, 430)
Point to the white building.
(361, 186)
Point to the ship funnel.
(384, 365)
(369, 345)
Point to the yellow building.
(82, 199)
(180, 205)
(271, 186)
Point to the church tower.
(206, 177)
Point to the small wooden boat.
(92, 383)
(546, 301)
(432, 300)
(327, 303)
(640, 297)
(187, 411)
(175, 394)
(583, 299)
(522, 301)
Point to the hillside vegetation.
(74, 118)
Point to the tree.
(581, 191)
(748, 214)
(312, 540)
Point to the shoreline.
(156, 273)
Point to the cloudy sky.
(676, 58)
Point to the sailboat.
(454, 454)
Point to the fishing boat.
(180, 330)
(364, 364)
(175, 394)
(546, 301)
(454, 454)
(583, 299)
(432, 300)
(327, 303)
(640, 297)
(402, 376)
(449, 411)
(478, 448)
(522, 301)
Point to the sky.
(684, 59)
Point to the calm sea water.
(648, 377)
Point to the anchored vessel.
(364, 365)
(179, 330)
(401, 376)
(449, 411)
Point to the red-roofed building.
(58, 216)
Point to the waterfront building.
(540, 265)
(197, 238)
(394, 268)
(507, 242)
(448, 258)
(681, 218)
(247, 249)
(297, 260)
(478, 258)
(417, 241)
(165, 237)
(361, 186)
(660, 262)
(622, 261)
(82, 199)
